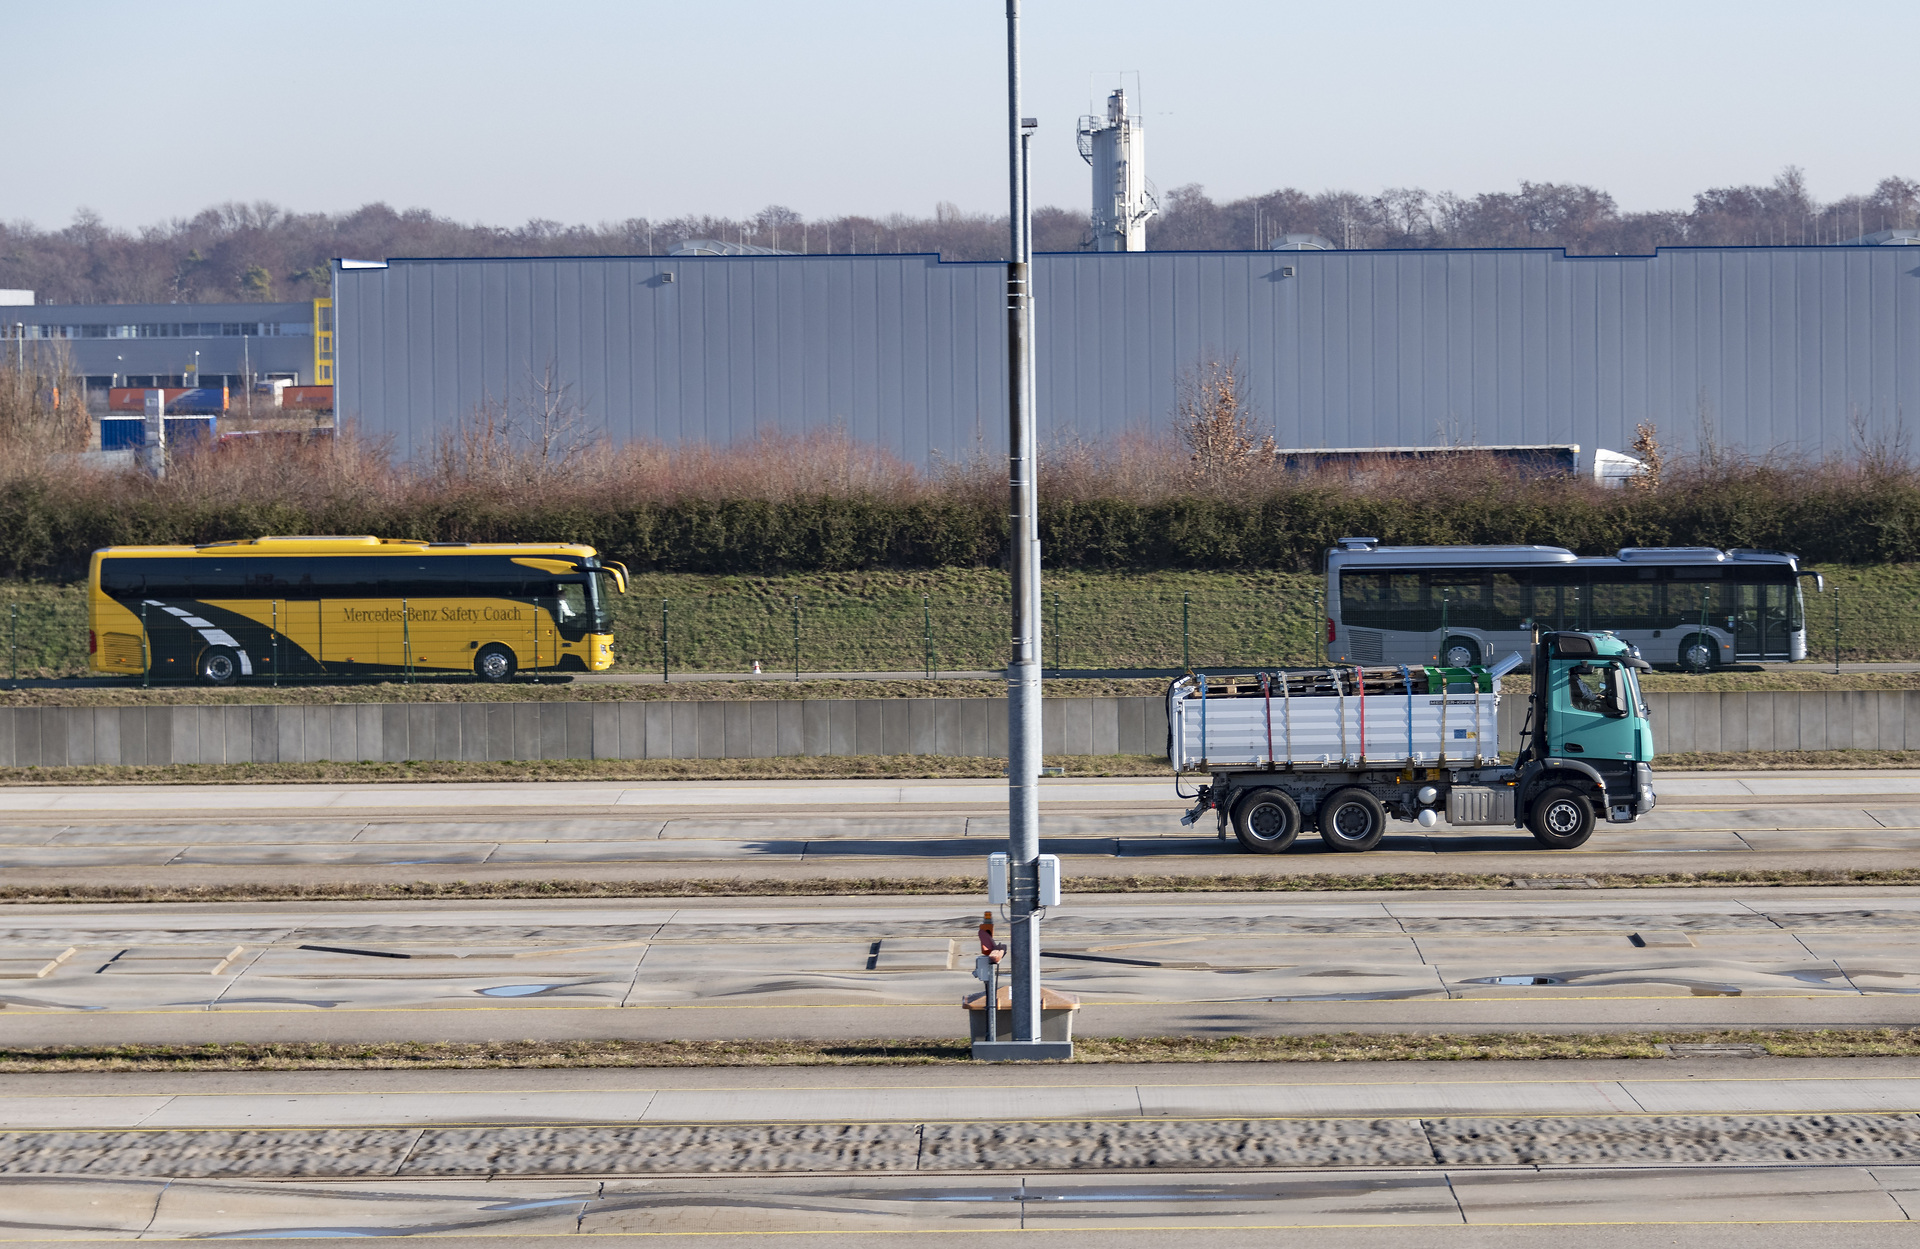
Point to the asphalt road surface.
(855, 968)
(1700, 1151)
(316, 833)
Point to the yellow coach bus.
(314, 607)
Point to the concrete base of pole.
(1021, 1051)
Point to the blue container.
(202, 401)
(123, 433)
(191, 433)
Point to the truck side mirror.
(1619, 703)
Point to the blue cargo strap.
(1203, 719)
(1406, 678)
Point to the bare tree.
(1216, 426)
(1646, 445)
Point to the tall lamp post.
(1023, 670)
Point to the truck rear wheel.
(1266, 821)
(1352, 820)
(1561, 819)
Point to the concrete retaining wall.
(396, 732)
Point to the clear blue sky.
(588, 111)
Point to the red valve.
(988, 946)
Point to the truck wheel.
(1458, 652)
(219, 666)
(494, 664)
(1266, 821)
(1699, 653)
(1352, 820)
(1561, 819)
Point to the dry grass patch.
(1333, 1047)
(1278, 881)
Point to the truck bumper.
(1626, 811)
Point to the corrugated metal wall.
(1782, 348)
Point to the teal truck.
(1343, 749)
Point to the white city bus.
(1697, 607)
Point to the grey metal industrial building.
(166, 344)
(1781, 347)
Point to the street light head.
(1029, 123)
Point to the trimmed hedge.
(48, 530)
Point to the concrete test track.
(157, 835)
(1616, 1153)
(1759, 1152)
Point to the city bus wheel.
(494, 664)
(1459, 652)
(1266, 821)
(1699, 653)
(219, 666)
(1352, 820)
(1561, 819)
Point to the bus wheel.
(1266, 821)
(1699, 653)
(219, 666)
(1352, 820)
(1561, 819)
(1458, 652)
(494, 664)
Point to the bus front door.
(1760, 629)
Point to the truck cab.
(1589, 746)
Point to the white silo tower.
(1115, 145)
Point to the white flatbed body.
(1330, 730)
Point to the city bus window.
(1383, 600)
(1512, 602)
(1624, 600)
(1460, 597)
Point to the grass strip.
(909, 886)
(695, 688)
(796, 767)
(1326, 1047)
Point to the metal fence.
(1103, 630)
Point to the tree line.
(261, 252)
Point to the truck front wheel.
(1561, 819)
(1266, 821)
(1352, 820)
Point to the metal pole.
(796, 637)
(406, 641)
(1023, 669)
(276, 643)
(146, 655)
(13, 610)
(1056, 634)
(663, 641)
(1836, 630)
(1186, 633)
(926, 624)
